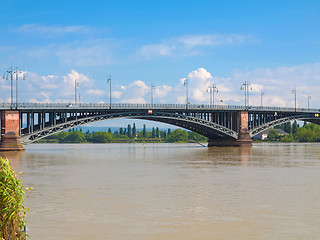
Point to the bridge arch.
(201, 126)
(276, 122)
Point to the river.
(171, 191)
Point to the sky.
(274, 45)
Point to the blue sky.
(275, 45)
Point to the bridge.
(223, 125)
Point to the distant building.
(264, 135)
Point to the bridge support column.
(10, 129)
(244, 138)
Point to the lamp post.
(152, 91)
(212, 89)
(187, 96)
(109, 81)
(9, 75)
(246, 87)
(295, 99)
(262, 93)
(309, 97)
(76, 85)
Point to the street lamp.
(76, 85)
(262, 93)
(152, 91)
(309, 97)
(295, 99)
(109, 81)
(187, 97)
(212, 89)
(246, 87)
(9, 75)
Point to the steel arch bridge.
(229, 125)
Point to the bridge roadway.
(223, 125)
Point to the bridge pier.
(244, 138)
(10, 131)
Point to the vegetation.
(309, 132)
(129, 134)
(12, 212)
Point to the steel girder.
(201, 126)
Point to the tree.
(287, 127)
(157, 132)
(196, 136)
(178, 135)
(305, 135)
(287, 138)
(169, 131)
(144, 133)
(129, 133)
(61, 136)
(109, 130)
(121, 131)
(101, 137)
(75, 137)
(273, 135)
(295, 127)
(134, 130)
(153, 133)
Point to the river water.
(171, 191)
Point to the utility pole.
(152, 89)
(109, 81)
(262, 93)
(187, 97)
(246, 87)
(9, 75)
(295, 99)
(76, 85)
(212, 89)
(309, 97)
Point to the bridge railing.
(21, 106)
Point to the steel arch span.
(201, 126)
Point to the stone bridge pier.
(10, 131)
(244, 138)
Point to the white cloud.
(116, 94)
(97, 52)
(191, 44)
(52, 30)
(96, 92)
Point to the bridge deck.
(104, 106)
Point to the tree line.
(309, 132)
(128, 134)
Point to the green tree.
(305, 135)
(121, 131)
(287, 138)
(134, 130)
(196, 136)
(273, 135)
(295, 127)
(178, 135)
(109, 130)
(75, 137)
(169, 131)
(102, 137)
(129, 131)
(61, 136)
(153, 133)
(287, 127)
(144, 133)
(157, 132)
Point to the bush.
(12, 212)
